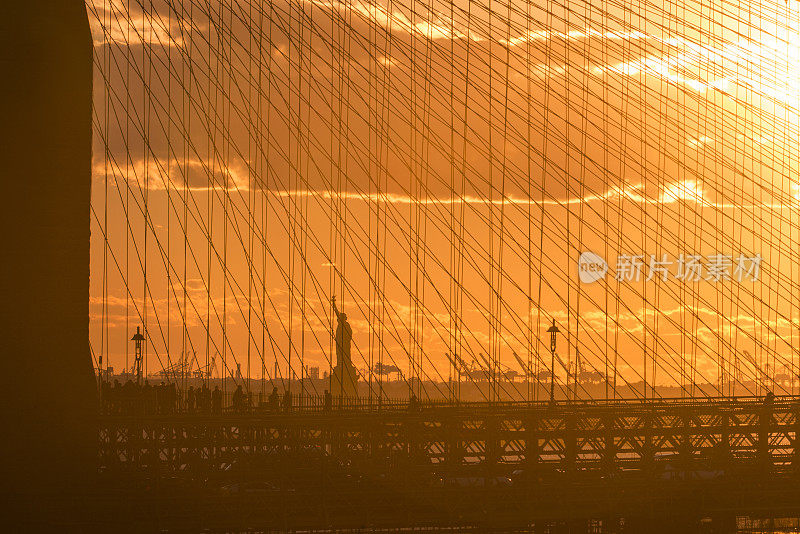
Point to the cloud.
(574, 35)
(200, 175)
(437, 27)
(112, 22)
(191, 174)
(767, 67)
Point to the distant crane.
(177, 371)
(206, 371)
(458, 363)
(530, 374)
(489, 367)
(588, 377)
(784, 376)
(509, 374)
(526, 370)
(477, 372)
(761, 376)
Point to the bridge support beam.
(492, 442)
(570, 445)
(609, 445)
(763, 449)
(686, 453)
(531, 444)
(796, 444)
(454, 448)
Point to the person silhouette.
(287, 401)
(238, 400)
(273, 400)
(216, 400)
(344, 336)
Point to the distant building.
(312, 373)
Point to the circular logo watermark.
(591, 267)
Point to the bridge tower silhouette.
(49, 391)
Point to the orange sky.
(440, 169)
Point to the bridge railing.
(155, 401)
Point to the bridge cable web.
(298, 199)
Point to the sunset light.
(402, 265)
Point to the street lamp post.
(138, 361)
(553, 331)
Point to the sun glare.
(687, 190)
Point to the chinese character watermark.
(686, 267)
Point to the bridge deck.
(468, 464)
(568, 436)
